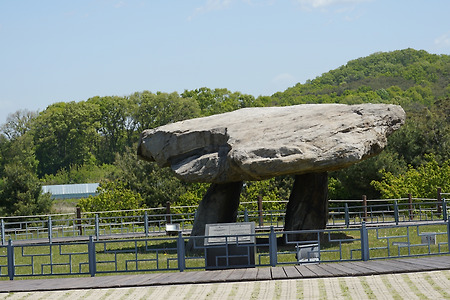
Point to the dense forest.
(95, 140)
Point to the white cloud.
(443, 41)
(259, 2)
(211, 5)
(119, 4)
(324, 3)
(217, 5)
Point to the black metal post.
(10, 254)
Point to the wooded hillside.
(95, 140)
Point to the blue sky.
(52, 51)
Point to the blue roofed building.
(71, 191)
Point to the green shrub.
(113, 196)
(421, 182)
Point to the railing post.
(91, 257)
(50, 232)
(245, 215)
(444, 209)
(3, 232)
(79, 221)
(347, 216)
(168, 217)
(448, 234)
(365, 253)
(364, 199)
(396, 212)
(181, 253)
(261, 222)
(10, 255)
(146, 224)
(272, 247)
(439, 201)
(411, 214)
(97, 228)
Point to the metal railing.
(132, 255)
(152, 222)
(389, 211)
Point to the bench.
(308, 253)
(172, 229)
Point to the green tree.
(20, 150)
(116, 126)
(191, 197)
(65, 134)
(16, 142)
(21, 192)
(161, 108)
(421, 182)
(426, 131)
(87, 173)
(18, 123)
(113, 196)
(267, 190)
(156, 185)
(354, 181)
(219, 100)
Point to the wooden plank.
(159, 280)
(432, 265)
(441, 261)
(360, 270)
(371, 265)
(410, 266)
(278, 273)
(55, 284)
(250, 274)
(107, 281)
(151, 276)
(397, 266)
(85, 282)
(332, 270)
(345, 269)
(137, 280)
(306, 273)
(292, 272)
(236, 275)
(320, 272)
(198, 277)
(23, 285)
(264, 274)
(244, 274)
(444, 260)
(385, 268)
(180, 277)
(221, 275)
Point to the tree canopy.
(95, 139)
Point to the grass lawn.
(160, 254)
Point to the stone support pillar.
(219, 205)
(308, 205)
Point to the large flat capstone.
(260, 143)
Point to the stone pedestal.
(308, 205)
(219, 205)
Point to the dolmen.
(258, 143)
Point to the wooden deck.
(357, 268)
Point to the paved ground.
(425, 277)
(419, 285)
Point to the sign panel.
(229, 233)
